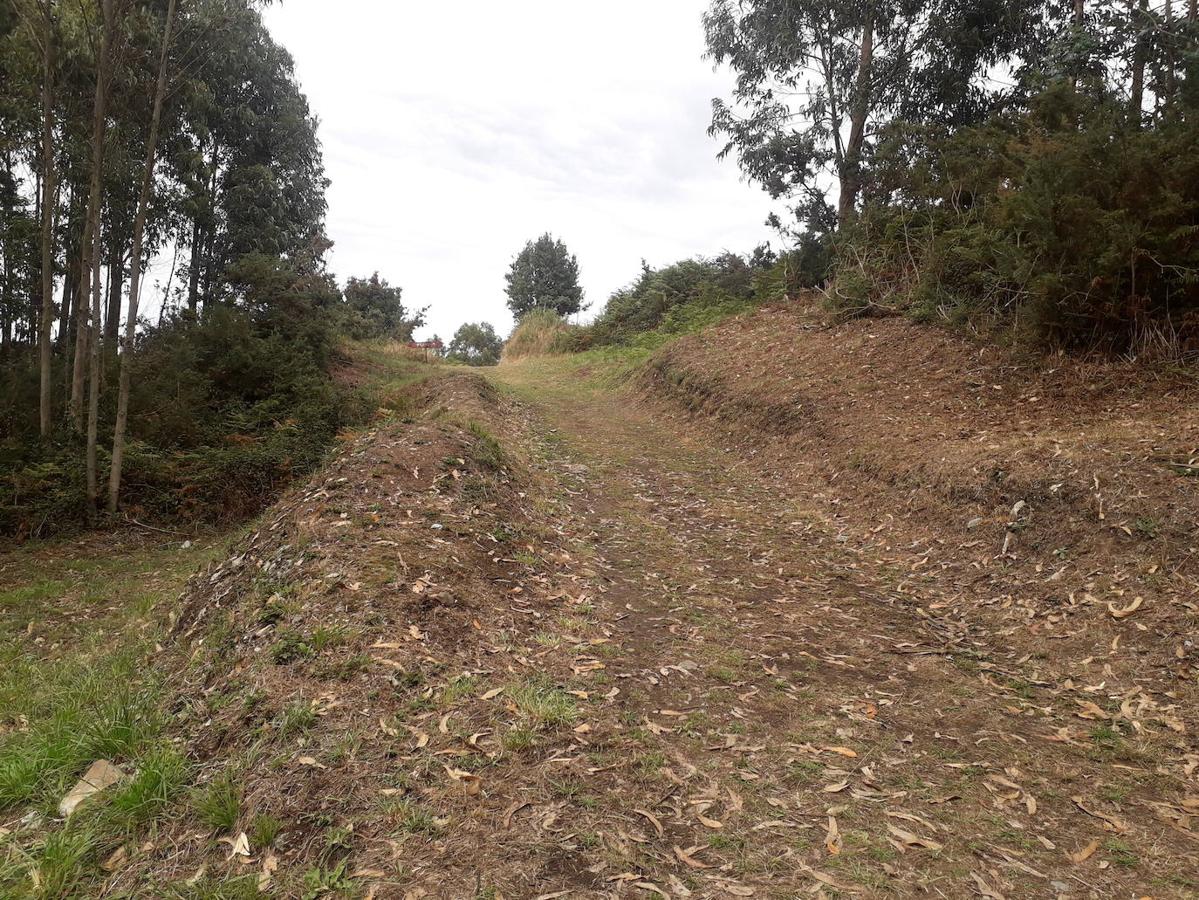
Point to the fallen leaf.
(1118, 613)
(908, 839)
(270, 865)
(680, 889)
(653, 820)
(985, 889)
(832, 838)
(686, 858)
(115, 860)
(368, 873)
(841, 751)
(650, 886)
(471, 782)
(99, 776)
(238, 846)
(1085, 853)
(1111, 823)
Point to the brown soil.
(755, 634)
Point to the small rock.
(100, 775)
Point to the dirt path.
(819, 726)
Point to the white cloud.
(453, 133)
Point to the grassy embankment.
(82, 624)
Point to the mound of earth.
(361, 673)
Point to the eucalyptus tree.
(476, 344)
(135, 258)
(816, 81)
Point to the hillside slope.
(798, 619)
(1056, 486)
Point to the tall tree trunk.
(66, 344)
(859, 110)
(7, 285)
(91, 226)
(193, 269)
(1171, 62)
(116, 284)
(210, 233)
(135, 267)
(49, 195)
(70, 276)
(93, 400)
(1137, 10)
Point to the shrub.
(694, 293)
(1062, 224)
(540, 332)
(226, 408)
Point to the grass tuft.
(544, 703)
(218, 804)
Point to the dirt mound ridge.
(353, 672)
(1054, 485)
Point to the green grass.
(457, 688)
(543, 703)
(519, 738)
(161, 777)
(218, 804)
(412, 818)
(487, 451)
(264, 830)
(63, 860)
(244, 887)
(296, 719)
(390, 375)
(78, 684)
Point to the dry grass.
(541, 332)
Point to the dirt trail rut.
(821, 727)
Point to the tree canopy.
(476, 344)
(373, 309)
(544, 275)
(1019, 161)
(818, 79)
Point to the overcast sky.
(454, 132)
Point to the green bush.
(540, 332)
(226, 408)
(1062, 224)
(694, 293)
